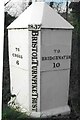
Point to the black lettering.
(34, 54)
(17, 62)
(35, 95)
(35, 33)
(34, 44)
(34, 49)
(56, 65)
(56, 57)
(34, 100)
(34, 87)
(34, 81)
(34, 39)
(35, 62)
(34, 91)
(34, 106)
(34, 72)
(34, 76)
(50, 58)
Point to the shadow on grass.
(11, 114)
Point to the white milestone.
(40, 55)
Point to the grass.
(11, 114)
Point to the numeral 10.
(56, 65)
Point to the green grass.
(11, 114)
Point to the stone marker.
(39, 56)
